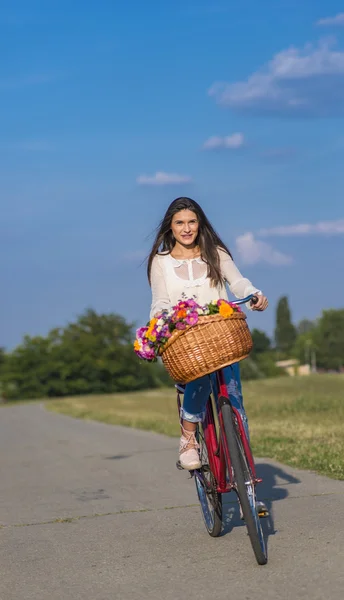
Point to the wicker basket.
(214, 343)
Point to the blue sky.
(110, 110)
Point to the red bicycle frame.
(218, 454)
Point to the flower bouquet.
(151, 340)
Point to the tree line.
(319, 343)
(94, 355)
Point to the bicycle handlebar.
(252, 297)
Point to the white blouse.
(172, 279)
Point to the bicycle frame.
(217, 445)
(218, 454)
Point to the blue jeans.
(197, 393)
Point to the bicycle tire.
(245, 491)
(209, 498)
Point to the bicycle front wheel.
(243, 484)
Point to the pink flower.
(180, 325)
(140, 333)
(192, 318)
(179, 306)
(235, 307)
(148, 352)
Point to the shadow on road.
(117, 457)
(273, 488)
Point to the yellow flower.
(225, 310)
(152, 322)
(137, 345)
(151, 336)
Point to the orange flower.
(225, 310)
(181, 314)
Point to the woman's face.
(184, 227)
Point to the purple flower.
(165, 332)
(148, 352)
(192, 304)
(141, 332)
(180, 325)
(192, 318)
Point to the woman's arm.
(160, 297)
(239, 286)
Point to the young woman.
(189, 260)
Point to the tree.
(261, 342)
(2, 357)
(285, 332)
(24, 372)
(94, 355)
(303, 348)
(324, 342)
(328, 339)
(305, 326)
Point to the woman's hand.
(261, 304)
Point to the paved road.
(94, 512)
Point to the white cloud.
(162, 178)
(337, 20)
(253, 251)
(296, 81)
(321, 228)
(234, 141)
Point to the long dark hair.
(207, 239)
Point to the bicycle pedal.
(262, 509)
(262, 514)
(180, 468)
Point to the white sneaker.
(188, 451)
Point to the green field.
(296, 420)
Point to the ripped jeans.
(197, 393)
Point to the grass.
(296, 420)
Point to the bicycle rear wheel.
(206, 486)
(244, 485)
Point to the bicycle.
(227, 464)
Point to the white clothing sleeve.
(160, 297)
(239, 286)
